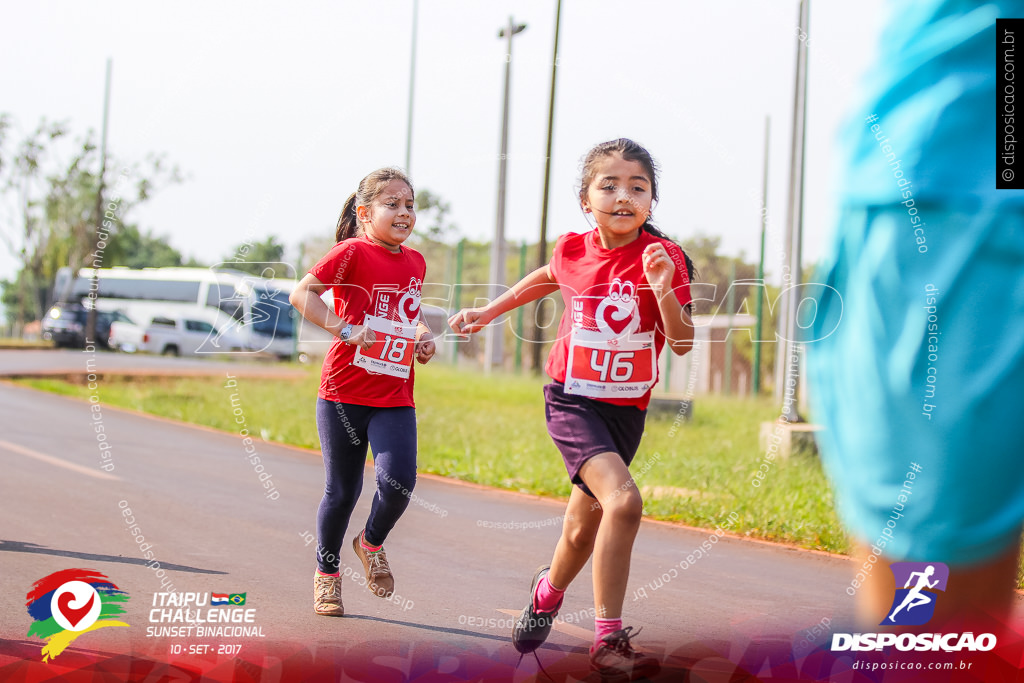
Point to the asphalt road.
(463, 557)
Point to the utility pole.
(412, 88)
(90, 318)
(457, 294)
(730, 306)
(519, 312)
(789, 371)
(494, 352)
(542, 244)
(756, 385)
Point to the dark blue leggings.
(345, 431)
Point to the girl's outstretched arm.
(306, 300)
(534, 286)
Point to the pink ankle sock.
(323, 574)
(366, 546)
(546, 597)
(604, 627)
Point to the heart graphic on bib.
(617, 313)
(616, 318)
(72, 614)
(409, 302)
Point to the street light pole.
(412, 89)
(788, 382)
(756, 385)
(542, 245)
(493, 346)
(90, 316)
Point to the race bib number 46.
(599, 367)
(392, 352)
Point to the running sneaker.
(532, 628)
(327, 595)
(375, 564)
(616, 660)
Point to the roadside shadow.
(20, 547)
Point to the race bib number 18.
(392, 352)
(607, 368)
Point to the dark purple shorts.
(583, 427)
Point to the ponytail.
(348, 226)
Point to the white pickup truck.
(187, 336)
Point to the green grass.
(491, 430)
(19, 343)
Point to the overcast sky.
(276, 111)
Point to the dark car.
(64, 325)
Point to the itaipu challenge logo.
(71, 603)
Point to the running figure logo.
(914, 604)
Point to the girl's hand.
(425, 348)
(362, 336)
(470, 320)
(658, 268)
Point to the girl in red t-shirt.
(626, 290)
(366, 386)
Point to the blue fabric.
(922, 360)
(933, 91)
(345, 430)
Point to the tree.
(712, 289)
(136, 249)
(715, 275)
(16, 307)
(431, 217)
(435, 237)
(312, 248)
(24, 227)
(253, 257)
(49, 207)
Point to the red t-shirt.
(612, 309)
(368, 280)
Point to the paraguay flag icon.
(70, 603)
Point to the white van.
(253, 310)
(187, 337)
